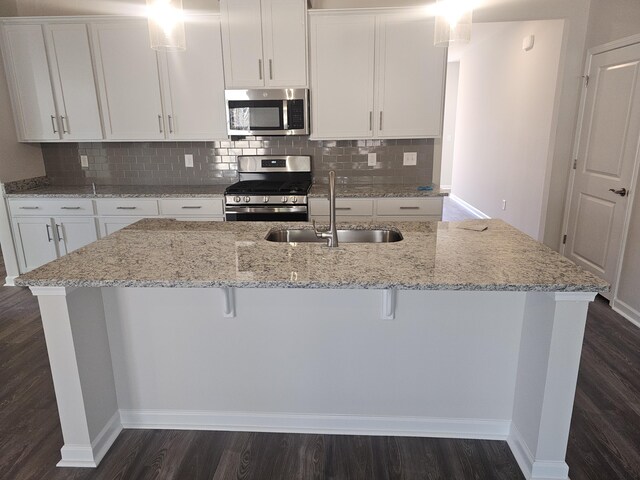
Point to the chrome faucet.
(332, 234)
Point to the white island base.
(457, 364)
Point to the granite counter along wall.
(162, 163)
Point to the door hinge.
(586, 80)
(564, 240)
(575, 163)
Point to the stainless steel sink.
(345, 236)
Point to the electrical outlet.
(188, 160)
(372, 159)
(410, 158)
(504, 204)
(84, 161)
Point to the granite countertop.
(432, 256)
(121, 191)
(115, 191)
(372, 191)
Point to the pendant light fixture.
(166, 25)
(453, 22)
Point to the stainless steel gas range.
(271, 188)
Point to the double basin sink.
(344, 236)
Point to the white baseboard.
(10, 281)
(626, 311)
(469, 208)
(327, 424)
(531, 469)
(89, 456)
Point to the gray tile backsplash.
(162, 163)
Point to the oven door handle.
(266, 209)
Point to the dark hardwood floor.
(605, 436)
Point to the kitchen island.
(451, 332)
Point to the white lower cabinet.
(109, 225)
(40, 240)
(405, 209)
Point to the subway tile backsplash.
(162, 163)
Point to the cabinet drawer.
(191, 206)
(45, 206)
(127, 206)
(409, 206)
(344, 207)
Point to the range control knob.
(285, 199)
(236, 199)
(294, 199)
(265, 199)
(247, 199)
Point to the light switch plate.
(372, 159)
(410, 159)
(84, 161)
(188, 160)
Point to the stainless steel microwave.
(268, 111)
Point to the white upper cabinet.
(74, 83)
(401, 98)
(194, 84)
(264, 43)
(342, 76)
(410, 78)
(50, 74)
(129, 81)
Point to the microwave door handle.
(285, 115)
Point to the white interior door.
(608, 148)
(74, 82)
(194, 84)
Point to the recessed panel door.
(74, 233)
(35, 242)
(608, 148)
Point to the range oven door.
(248, 213)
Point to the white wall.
(449, 125)
(505, 121)
(612, 20)
(28, 8)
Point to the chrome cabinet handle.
(270, 69)
(53, 123)
(59, 230)
(160, 123)
(49, 232)
(28, 208)
(343, 208)
(63, 119)
(126, 208)
(409, 208)
(622, 192)
(371, 121)
(381, 113)
(194, 207)
(170, 123)
(70, 208)
(260, 68)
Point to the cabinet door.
(242, 43)
(109, 225)
(342, 73)
(194, 85)
(129, 81)
(74, 233)
(410, 78)
(74, 82)
(35, 242)
(284, 36)
(27, 68)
